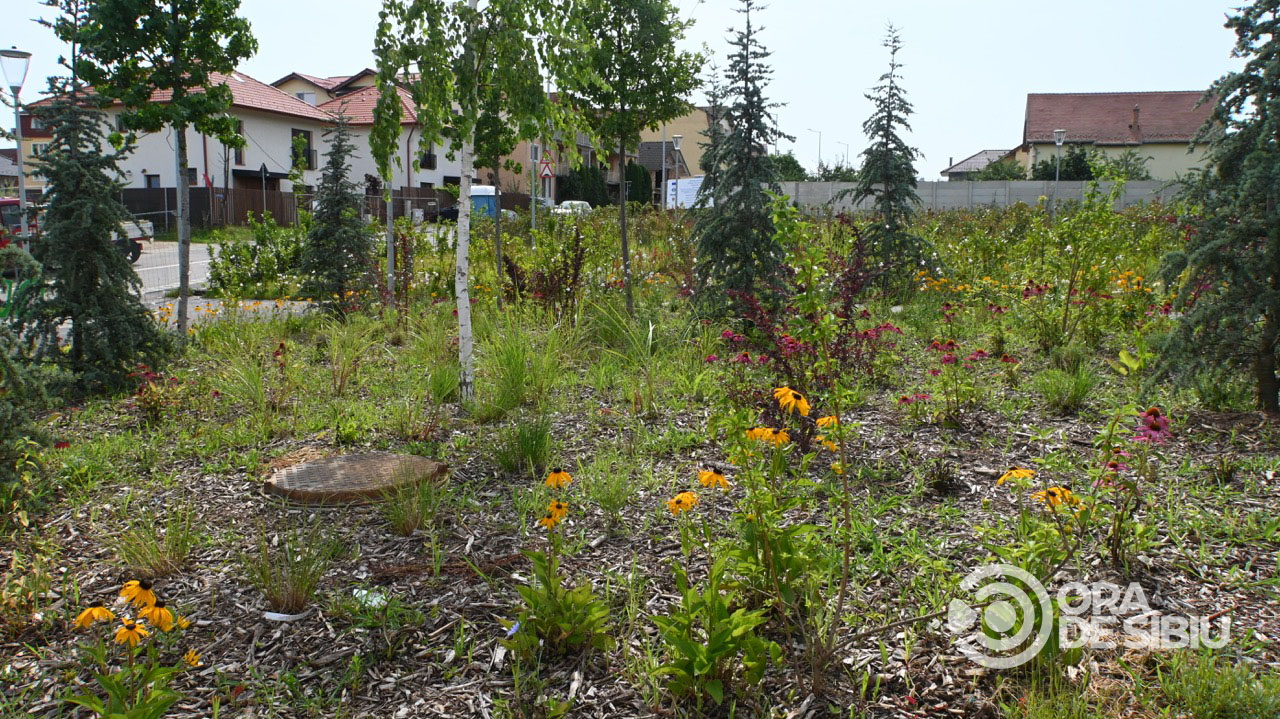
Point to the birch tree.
(134, 48)
(456, 58)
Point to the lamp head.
(1059, 136)
(675, 142)
(13, 63)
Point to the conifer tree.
(339, 247)
(1228, 273)
(21, 393)
(737, 251)
(888, 174)
(89, 286)
(639, 184)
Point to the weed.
(1205, 687)
(414, 504)
(154, 547)
(1065, 392)
(524, 446)
(288, 567)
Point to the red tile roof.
(359, 105)
(250, 94)
(1107, 118)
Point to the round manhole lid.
(352, 478)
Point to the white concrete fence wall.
(962, 195)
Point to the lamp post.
(13, 63)
(676, 141)
(846, 152)
(819, 144)
(1059, 136)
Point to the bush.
(1065, 392)
(525, 446)
(264, 267)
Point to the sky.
(968, 64)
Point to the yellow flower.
(1055, 496)
(158, 615)
(779, 437)
(1016, 473)
(712, 477)
(558, 509)
(829, 444)
(837, 467)
(828, 421)
(549, 521)
(558, 478)
(130, 632)
(183, 622)
(192, 658)
(791, 401)
(95, 613)
(139, 592)
(682, 502)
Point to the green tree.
(89, 289)
(645, 80)
(639, 184)
(737, 251)
(1228, 273)
(1000, 170)
(135, 48)
(1128, 165)
(838, 172)
(21, 393)
(888, 174)
(339, 247)
(1075, 166)
(585, 183)
(460, 63)
(788, 168)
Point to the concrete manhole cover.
(352, 478)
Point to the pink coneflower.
(63, 444)
(935, 372)
(1153, 427)
(978, 355)
(742, 358)
(1008, 359)
(948, 358)
(710, 358)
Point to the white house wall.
(402, 173)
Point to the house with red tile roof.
(1160, 126)
(268, 118)
(317, 90)
(414, 166)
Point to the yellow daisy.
(1056, 496)
(682, 502)
(829, 421)
(158, 615)
(139, 592)
(712, 477)
(558, 509)
(1016, 473)
(94, 613)
(192, 658)
(791, 401)
(549, 521)
(130, 632)
(558, 478)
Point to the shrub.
(264, 267)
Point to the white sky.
(969, 64)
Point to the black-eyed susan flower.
(1056, 496)
(182, 622)
(712, 477)
(549, 521)
(139, 592)
(829, 421)
(682, 502)
(559, 509)
(837, 467)
(94, 613)
(791, 401)
(158, 615)
(829, 444)
(192, 658)
(558, 478)
(1016, 473)
(130, 632)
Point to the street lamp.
(1059, 136)
(819, 144)
(846, 152)
(13, 63)
(676, 142)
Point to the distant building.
(316, 90)
(1160, 126)
(653, 158)
(965, 169)
(8, 175)
(692, 126)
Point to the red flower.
(710, 358)
(1008, 359)
(62, 444)
(948, 358)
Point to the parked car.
(130, 236)
(572, 207)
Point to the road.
(158, 266)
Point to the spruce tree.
(21, 393)
(888, 173)
(339, 248)
(1228, 273)
(737, 252)
(90, 291)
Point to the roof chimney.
(1135, 124)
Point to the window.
(37, 123)
(191, 176)
(120, 123)
(152, 182)
(452, 180)
(302, 152)
(307, 97)
(38, 149)
(239, 151)
(427, 185)
(428, 159)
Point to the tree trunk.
(622, 222)
(1264, 367)
(184, 227)
(497, 232)
(461, 280)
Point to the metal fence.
(968, 195)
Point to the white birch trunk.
(183, 194)
(462, 276)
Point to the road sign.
(546, 170)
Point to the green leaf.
(716, 689)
